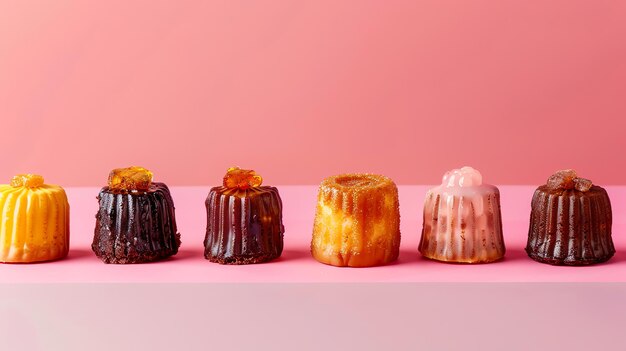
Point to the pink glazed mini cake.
(462, 221)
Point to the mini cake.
(570, 222)
(244, 220)
(357, 221)
(135, 222)
(35, 222)
(462, 221)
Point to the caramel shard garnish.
(582, 184)
(130, 179)
(242, 178)
(27, 180)
(568, 179)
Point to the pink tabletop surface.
(296, 263)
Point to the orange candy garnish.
(27, 180)
(567, 179)
(130, 179)
(242, 179)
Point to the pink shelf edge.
(296, 264)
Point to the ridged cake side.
(462, 228)
(243, 226)
(35, 224)
(136, 227)
(569, 227)
(357, 221)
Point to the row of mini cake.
(570, 221)
(136, 221)
(357, 220)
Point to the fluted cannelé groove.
(462, 229)
(462, 220)
(244, 226)
(135, 227)
(570, 227)
(35, 223)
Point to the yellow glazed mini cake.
(35, 222)
(357, 222)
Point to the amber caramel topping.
(568, 179)
(130, 179)
(237, 178)
(27, 180)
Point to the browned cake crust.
(135, 228)
(357, 221)
(570, 227)
(243, 226)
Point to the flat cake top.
(355, 182)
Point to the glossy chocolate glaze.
(570, 227)
(243, 226)
(135, 227)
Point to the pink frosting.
(462, 177)
(462, 221)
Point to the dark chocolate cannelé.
(570, 222)
(135, 224)
(244, 220)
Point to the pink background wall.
(302, 90)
